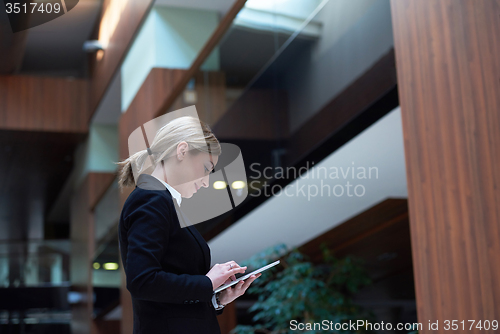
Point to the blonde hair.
(164, 145)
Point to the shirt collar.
(175, 193)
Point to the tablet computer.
(242, 278)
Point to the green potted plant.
(300, 292)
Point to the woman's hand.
(228, 295)
(221, 273)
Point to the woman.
(166, 261)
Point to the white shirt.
(175, 193)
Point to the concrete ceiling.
(55, 48)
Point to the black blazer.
(165, 265)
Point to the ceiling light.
(238, 185)
(110, 266)
(219, 185)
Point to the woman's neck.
(160, 172)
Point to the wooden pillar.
(83, 203)
(127, 321)
(448, 64)
(227, 320)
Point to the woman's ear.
(182, 149)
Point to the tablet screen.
(222, 287)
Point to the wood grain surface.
(43, 104)
(449, 83)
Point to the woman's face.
(191, 171)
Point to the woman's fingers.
(248, 282)
(230, 279)
(236, 270)
(239, 286)
(233, 263)
(242, 286)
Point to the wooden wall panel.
(227, 320)
(211, 91)
(106, 326)
(449, 83)
(43, 104)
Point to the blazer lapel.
(149, 182)
(186, 223)
(203, 244)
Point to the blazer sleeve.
(148, 234)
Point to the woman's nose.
(205, 181)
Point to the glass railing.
(34, 263)
(280, 63)
(34, 286)
(260, 34)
